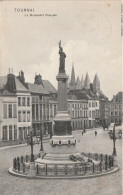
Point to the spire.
(78, 83)
(73, 75)
(96, 84)
(72, 85)
(82, 82)
(87, 82)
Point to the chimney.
(21, 77)
(10, 85)
(38, 80)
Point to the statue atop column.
(62, 59)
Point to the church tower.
(96, 84)
(87, 82)
(72, 85)
(78, 86)
(82, 82)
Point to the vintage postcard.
(61, 106)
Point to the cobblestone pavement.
(105, 185)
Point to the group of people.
(85, 131)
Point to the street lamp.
(31, 144)
(114, 140)
(41, 149)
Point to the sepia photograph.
(61, 97)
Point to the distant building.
(78, 109)
(90, 92)
(15, 116)
(116, 109)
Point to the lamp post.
(41, 149)
(31, 144)
(114, 140)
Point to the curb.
(20, 145)
(114, 170)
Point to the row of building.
(25, 106)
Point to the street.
(88, 142)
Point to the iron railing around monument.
(22, 164)
(97, 163)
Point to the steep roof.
(19, 85)
(72, 76)
(3, 81)
(35, 88)
(82, 82)
(78, 83)
(49, 87)
(96, 79)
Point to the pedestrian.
(95, 133)
(82, 132)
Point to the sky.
(89, 31)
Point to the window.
(14, 111)
(10, 111)
(25, 132)
(72, 114)
(15, 132)
(24, 116)
(28, 101)
(33, 111)
(24, 101)
(93, 114)
(33, 99)
(89, 114)
(54, 110)
(47, 112)
(37, 112)
(4, 110)
(72, 105)
(4, 133)
(19, 101)
(28, 116)
(10, 132)
(36, 99)
(51, 111)
(40, 111)
(78, 114)
(19, 116)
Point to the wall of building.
(24, 115)
(78, 109)
(8, 120)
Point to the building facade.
(15, 116)
(43, 104)
(116, 109)
(78, 109)
(93, 113)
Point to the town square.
(61, 98)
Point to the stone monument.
(62, 143)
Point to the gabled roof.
(35, 88)
(20, 86)
(4, 92)
(3, 81)
(49, 87)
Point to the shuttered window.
(14, 111)
(4, 110)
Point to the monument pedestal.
(32, 172)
